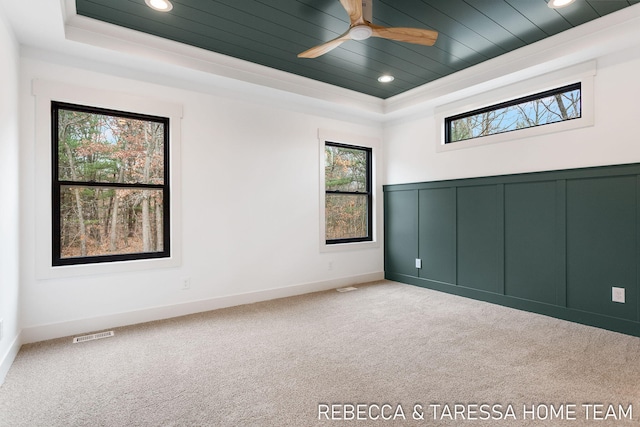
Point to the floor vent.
(348, 289)
(92, 337)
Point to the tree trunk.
(146, 220)
(113, 235)
(106, 225)
(76, 192)
(96, 212)
(131, 223)
(146, 226)
(563, 110)
(159, 230)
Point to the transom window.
(552, 106)
(110, 185)
(348, 193)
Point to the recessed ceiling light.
(386, 78)
(557, 4)
(161, 5)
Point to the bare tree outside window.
(545, 108)
(109, 185)
(348, 193)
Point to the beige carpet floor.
(405, 354)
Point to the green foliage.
(345, 169)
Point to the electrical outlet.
(186, 283)
(418, 263)
(617, 295)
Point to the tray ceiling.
(273, 32)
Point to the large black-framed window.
(110, 185)
(348, 193)
(551, 106)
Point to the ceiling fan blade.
(354, 9)
(316, 51)
(407, 35)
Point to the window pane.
(547, 109)
(345, 169)
(109, 149)
(107, 221)
(346, 216)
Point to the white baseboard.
(9, 357)
(81, 326)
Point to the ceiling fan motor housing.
(360, 32)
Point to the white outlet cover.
(418, 263)
(617, 295)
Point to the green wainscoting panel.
(530, 235)
(477, 238)
(551, 242)
(437, 234)
(401, 232)
(601, 245)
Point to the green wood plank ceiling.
(273, 32)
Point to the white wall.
(9, 206)
(410, 145)
(250, 210)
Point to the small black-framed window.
(544, 108)
(110, 185)
(348, 193)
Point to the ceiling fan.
(361, 28)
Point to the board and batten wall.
(495, 222)
(555, 243)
